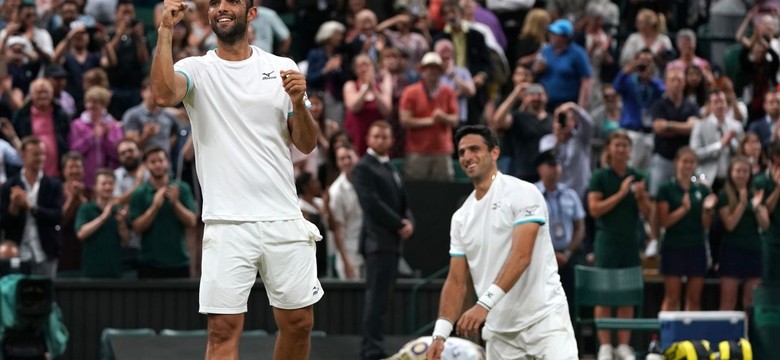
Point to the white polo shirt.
(238, 111)
(482, 230)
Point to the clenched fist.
(173, 12)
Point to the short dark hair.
(450, 4)
(71, 155)
(104, 172)
(124, 2)
(153, 150)
(30, 140)
(644, 50)
(488, 136)
(127, 140)
(774, 149)
(302, 181)
(380, 124)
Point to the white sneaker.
(605, 352)
(624, 352)
(652, 248)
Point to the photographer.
(84, 48)
(39, 39)
(570, 138)
(639, 88)
(129, 42)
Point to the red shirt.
(434, 139)
(42, 123)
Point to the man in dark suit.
(386, 221)
(32, 210)
(766, 126)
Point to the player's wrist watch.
(439, 337)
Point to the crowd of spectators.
(98, 179)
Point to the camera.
(641, 67)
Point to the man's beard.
(131, 165)
(232, 34)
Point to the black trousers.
(381, 272)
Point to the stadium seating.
(613, 288)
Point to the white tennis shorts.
(283, 252)
(552, 338)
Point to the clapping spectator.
(33, 198)
(75, 194)
(744, 216)
(160, 210)
(95, 134)
(364, 38)
(39, 43)
(758, 64)
(764, 27)
(685, 209)
(714, 139)
(429, 112)
(150, 125)
(366, 100)
(617, 195)
(45, 119)
(102, 227)
(736, 107)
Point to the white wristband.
(443, 328)
(491, 297)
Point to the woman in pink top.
(95, 134)
(365, 101)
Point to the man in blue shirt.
(639, 88)
(566, 217)
(564, 68)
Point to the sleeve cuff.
(538, 220)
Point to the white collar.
(37, 178)
(382, 158)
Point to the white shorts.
(283, 252)
(552, 338)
